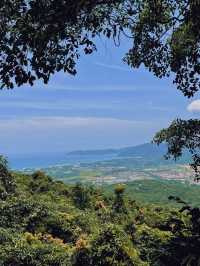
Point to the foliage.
(7, 185)
(81, 196)
(39, 38)
(182, 135)
(119, 204)
(156, 192)
(40, 220)
(81, 225)
(184, 244)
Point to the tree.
(7, 184)
(182, 135)
(81, 196)
(39, 38)
(119, 204)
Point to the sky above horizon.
(106, 105)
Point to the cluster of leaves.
(166, 40)
(39, 38)
(7, 184)
(80, 225)
(180, 136)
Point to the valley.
(143, 162)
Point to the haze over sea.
(107, 105)
(44, 160)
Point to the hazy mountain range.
(147, 151)
(144, 150)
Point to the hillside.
(48, 223)
(144, 150)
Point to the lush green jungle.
(46, 222)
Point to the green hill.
(146, 151)
(48, 223)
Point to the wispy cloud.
(194, 106)
(56, 122)
(57, 133)
(115, 67)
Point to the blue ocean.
(20, 162)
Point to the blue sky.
(106, 105)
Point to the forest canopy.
(81, 225)
(41, 37)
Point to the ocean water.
(36, 161)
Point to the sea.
(42, 160)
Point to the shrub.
(119, 204)
(81, 196)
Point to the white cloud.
(115, 67)
(194, 106)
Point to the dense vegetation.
(46, 222)
(158, 191)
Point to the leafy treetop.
(182, 135)
(41, 37)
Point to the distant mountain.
(126, 156)
(144, 150)
(147, 151)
